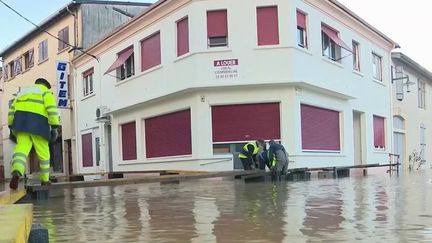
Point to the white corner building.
(185, 84)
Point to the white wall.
(305, 76)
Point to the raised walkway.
(15, 219)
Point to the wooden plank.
(143, 179)
(11, 196)
(16, 222)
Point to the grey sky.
(406, 22)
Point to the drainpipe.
(75, 39)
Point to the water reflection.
(373, 209)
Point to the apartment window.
(11, 70)
(182, 36)
(15, 67)
(28, 59)
(217, 28)
(330, 48)
(124, 64)
(422, 142)
(63, 36)
(43, 51)
(88, 82)
(379, 132)
(301, 30)
(6, 72)
(127, 69)
(421, 94)
(356, 55)
(150, 52)
(377, 67)
(267, 25)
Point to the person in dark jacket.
(33, 120)
(278, 157)
(248, 155)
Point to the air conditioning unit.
(101, 114)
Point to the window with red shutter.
(301, 30)
(320, 129)
(267, 25)
(379, 132)
(217, 28)
(150, 52)
(168, 135)
(182, 36)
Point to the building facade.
(187, 83)
(412, 116)
(76, 26)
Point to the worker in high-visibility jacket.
(248, 155)
(33, 120)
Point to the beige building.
(63, 35)
(412, 110)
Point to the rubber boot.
(13, 184)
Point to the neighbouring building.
(187, 83)
(77, 25)
(412, 110)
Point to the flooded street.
(370, 209)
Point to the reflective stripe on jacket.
(34, 110)
(246, 153)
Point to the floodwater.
(357, 209)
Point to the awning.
(333, 35)
(121, 59)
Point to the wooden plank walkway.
(142, 179)
(16, 222)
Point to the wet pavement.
(376, 208)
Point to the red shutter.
(129, 148)
(87, 150)
(168, 135)
(88, 72)
(217, 23)
(121, 59)
(150, 52)
(267, 26)
(182, 37)
(245, 122)
(301, 20)
(334, 36)
(379, 132)
(320, 128)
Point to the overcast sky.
(405, 21)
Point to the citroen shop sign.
(62, 69)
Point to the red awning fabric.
(333, 35)
(121, 59)
(301, 20)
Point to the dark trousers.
(247, 163)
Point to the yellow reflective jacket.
(34, 110)
(247, 151)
